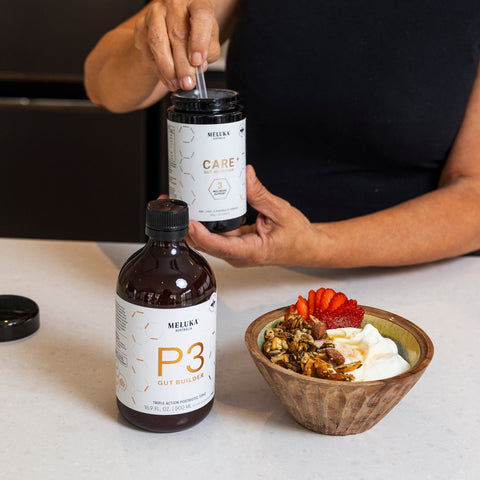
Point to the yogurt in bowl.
(378, 355)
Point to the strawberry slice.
(327, 296)
(337, 300)
(302, 307)
(348, 314)
(350, 318)
(311, 302)
(349, 305)
(318, 299)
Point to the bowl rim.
(424, 341)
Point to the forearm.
(441, 224)
(118, 77)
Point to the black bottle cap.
(19, 317)
(166, 219)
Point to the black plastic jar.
(207, 158)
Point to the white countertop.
(59, 420)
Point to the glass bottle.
(165, 327)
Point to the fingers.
(244, 229)
(178, 28)
(203, 44)
(176, 36)
(151, 38)
(239, 251)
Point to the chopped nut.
(318, 330)
(335, 356)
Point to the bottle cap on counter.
(19, 317)
(166, 219)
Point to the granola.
(304, 347)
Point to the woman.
(363, 125)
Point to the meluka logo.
(218, 134)
(185, 324)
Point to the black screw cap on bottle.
(166, 219)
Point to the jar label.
(165, 357)
(206, 167)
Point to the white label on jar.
(165, 357)
(206, 169)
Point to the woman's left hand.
(282, 235)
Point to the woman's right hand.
(135, 64)
(175, 36)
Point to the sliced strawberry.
(327, 296)
(311, 302)
(351, 318)
(347, 306)
(332, 308)
(318, 299)
(302, 307)
(337, 300)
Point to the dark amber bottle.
(165, 327)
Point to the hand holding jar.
(282, 235)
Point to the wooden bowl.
(343, 408)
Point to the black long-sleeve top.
(352, 106)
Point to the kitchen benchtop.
(58, 417)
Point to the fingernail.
(191, 228)
(187, 82)
(196, 59)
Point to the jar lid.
(218, 100)
(19, 317)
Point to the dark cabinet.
(50, 39)
(68, 169)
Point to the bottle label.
(165, 357)
(206, 166)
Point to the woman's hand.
(282, 235)
(174, 36)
